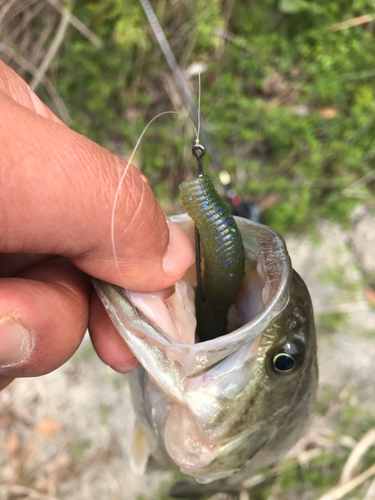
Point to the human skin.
(57, 192)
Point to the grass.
(289, 104)
(290, 107)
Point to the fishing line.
(181, 82)
(198, 152)
(199, 107)
(122, 180)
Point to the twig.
(230, 37)
(370, 494)
(5, 9)
(38, 49)
(74, 21)
(27, 18)
(227, 11)
(339, 492)
(301, 459)
(51, 52)
(356, 455)
(59, 103)
(352, 189)
(18, 9)
(355, 21)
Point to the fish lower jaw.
(197, 455)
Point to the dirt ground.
(66, 435)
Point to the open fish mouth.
(263, 295)
(213, 407)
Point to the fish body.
(221, 409)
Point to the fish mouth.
(263, 295)
(184, 378)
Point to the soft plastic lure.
(224, 257)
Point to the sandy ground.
(66, 435)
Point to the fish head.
(228, 406)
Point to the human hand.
(57, 192)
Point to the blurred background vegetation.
(288, 96)
(288, 91)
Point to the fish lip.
(262, 244)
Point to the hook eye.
(198, 151)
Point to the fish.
(220, 409)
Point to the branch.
(339, 492)
(355, 21)
(51, 52)
(74, 21)
(30, 68)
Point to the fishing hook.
(198, 152)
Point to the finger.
(16, 88)
(12, 264)
(109, 345)
(43, 318)
(58, 190)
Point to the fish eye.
(283, 362)
(288, 358)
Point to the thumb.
(58, 190)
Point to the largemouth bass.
(219, 410)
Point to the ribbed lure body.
(224, 258)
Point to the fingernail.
(15, 342)
(180, 253)
(128, 367)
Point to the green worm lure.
(224, 256)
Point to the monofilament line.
(199, 108)
(198, 151)
(122, 180)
